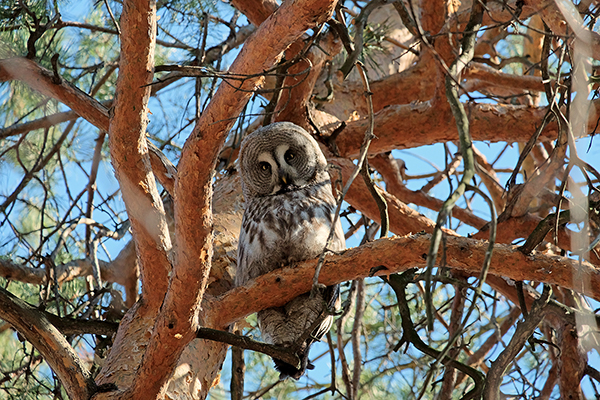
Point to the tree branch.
(118, 271)
(480, 76)
(42, 80)
(55, 349)
(256, 11)
(488, 122)
(507, 356)
(244, 342)
(129, 151)
(396, 255)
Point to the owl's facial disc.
(277, 161)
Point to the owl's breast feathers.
(286, 228)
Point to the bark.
(572, 362)
(130, 158)
(480, 76)
(174, 327)
(419, 124)
(129, 151)
(122, 270)
(43, 81)
(396, 255)
(256, 10)
(417, 84)
(401, 88)
(521, 227)
(51, 343)
(200, 361)
(293, 105)
(455, 324)
(419, 197)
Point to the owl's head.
(280, 158)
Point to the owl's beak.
(284, 177)
(286, 183)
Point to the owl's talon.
(317, 287)
(334, 252)
(336, 313)
(283, 377)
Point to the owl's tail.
(288, 370)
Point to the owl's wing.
(252, 260)
(241, 273)
(331, 296)
(339, 239)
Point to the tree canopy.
(461, 144)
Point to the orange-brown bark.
(293, 104)
(256, 10)
(131, 161)
(442, 47)
(43, 81)
(419, 124)
(404, 87)
(129, 150)
(572, 362)
(420, 198)
(480, 76)
(299, 88)
(396, 255)
(175, 325)
(418, 84)
(521, 227)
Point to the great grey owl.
(288, 214)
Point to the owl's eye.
(289, 156)
(265, 166)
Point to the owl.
(289, 211)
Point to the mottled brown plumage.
(289, 212)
